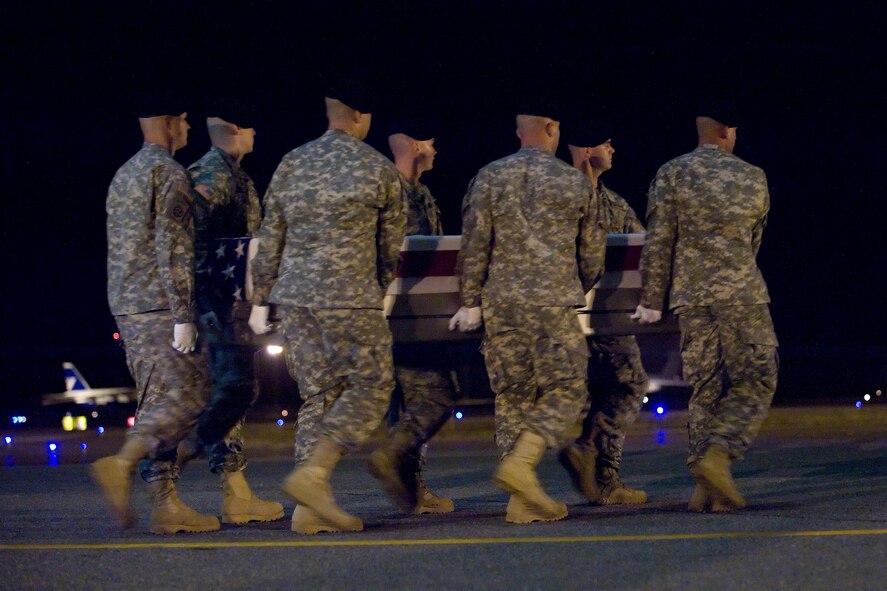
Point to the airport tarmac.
(816, 483)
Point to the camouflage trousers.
(219, 430)
(341, 360)
(427, 395)
(173, 388)
(730, 360)
(537, 360)
(617, 384)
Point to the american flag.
(227, 263)
(425, 294)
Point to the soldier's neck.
(235, 155)
(409, 168)
(163, 142)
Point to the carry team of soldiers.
(533, 242)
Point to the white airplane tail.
(74, 380)
(78, 390)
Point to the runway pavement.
(816, 482)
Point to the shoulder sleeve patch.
(178, 207)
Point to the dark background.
(810, 79)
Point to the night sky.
(811, 82)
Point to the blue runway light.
(8, 440)
(458, 414)
(280, 422)
(101, 430)
(660, 410)
(52, 446)
(83, 446)
(858, 404)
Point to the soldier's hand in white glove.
(646, 315)
(184, 337)
(258, 319)
(466, 319)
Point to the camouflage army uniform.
(547, 252)
(329, 245)
(150, 288)
(617, 381)
(424, 380)
(706, 214)
(229, 208)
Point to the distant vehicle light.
(280, 422)
(274, 349)
(660, 410)
(646, 400)
(94, 415)
(116, 336)
(52, 446)
(284, 413)
(459, 415)
(877, 392)
(68, 422)
(8, 440)
(80, 423)
(130, 421)
(866, 397)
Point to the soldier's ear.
(551, 128)
(356, 116)
(723, 131)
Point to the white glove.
(184, 337)
(258, 319)
(466, 319)
(646, 315)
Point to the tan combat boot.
(712, 472)
(240, 505)
(428, 502)
(391, 466)
(306, 521)
(518, 511)
(614, 491)
(114, 475)
(309, 485)
(170, 515)
(702, 502)
(579, 461)
(516, 475)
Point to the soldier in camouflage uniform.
(227, 206)
(151, 295)
(329, 245)
(425, 380)
(706, 214)
(547, 253)
(617, 380)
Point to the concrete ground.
(816, 482)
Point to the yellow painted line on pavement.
(450, 541)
